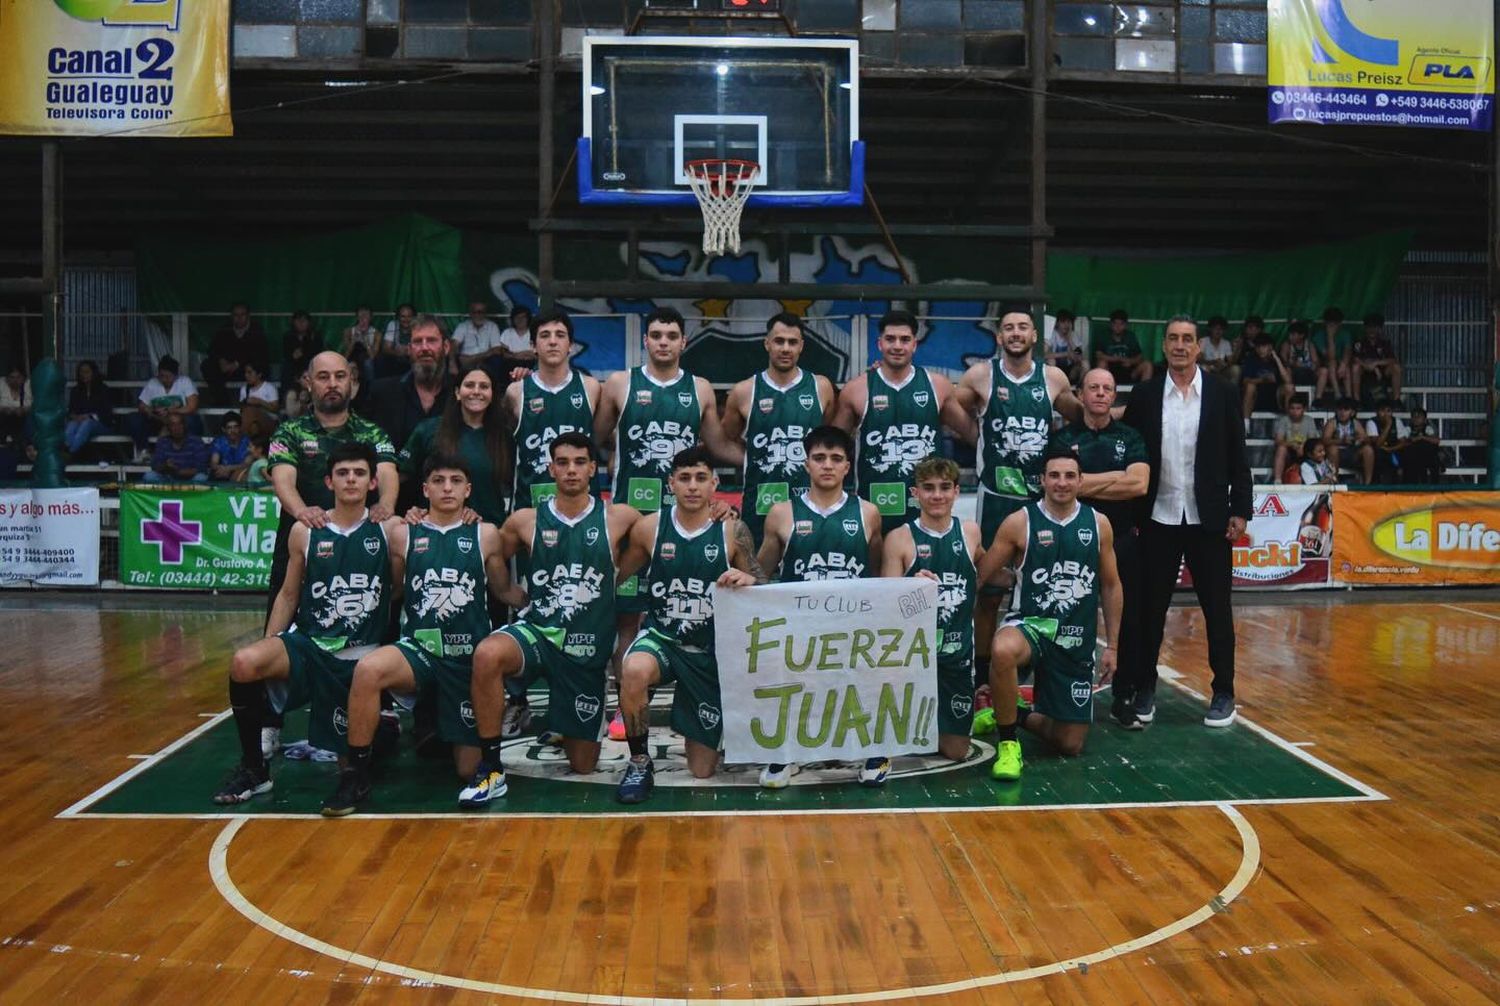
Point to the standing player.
(895, 412)
(337, 588)
(444, 616)
(688, 553)
(566, 631)
(943, 548)
(769, 414)
(1067, 564)
(824, 534)
(553, 399)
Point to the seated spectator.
(179, 457)
(260, 403)
(1065, 347)
(476, 341)
(360, 342)
(1316, 469)
(1387, 436)
(1119, 352)
(1217, 355)
(1421, 459)
(299, 345)
(169, 393)
(90, 411)
(393, 354)
(1303, 359)
(255, 473)
(229, 455)
(516, 340)
(1265, 383)
(1347, 442)
(15, 405)
(236, 344)
(1335, 344)
(1373, 359)
(1292, 431)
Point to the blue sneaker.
(488, 784)
(640, 777)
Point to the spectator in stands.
(179, 457)
(1373, 359)
(399, 404)
(1316, 469)
(516, 340)
(260, 403)
(1120, 352)
(1292, 432)
(1421, 460)
(476, 341)
(1335, 348)
(360, 342)
(1387, 436)
(1065, 349)
(299, 345)
(393, 354)
(255, 473)
(1302, 358)
(90, 411)
(239, 342)
(169, 393)
(15, 404)
(1264, 380)
(1347, 442)
(229, 455)
(1219, 354)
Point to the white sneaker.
(270, 742)
(776, 776)
(517, 719)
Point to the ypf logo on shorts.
(586, 706)
(961, 705)
(341, 721)
(1083, 693)
(708, 716)
(466, 713)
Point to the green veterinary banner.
(211, 538)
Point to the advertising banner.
(1382, 62)
(1417, 539)
(209, 539)
(114, 67)
(49, 537)
(1286, 544)
(828, 669)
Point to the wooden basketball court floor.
(1343, 845)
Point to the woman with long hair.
(89, 408)
(471, 427)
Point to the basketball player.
(769, 414)
(566, 631)
(444, 615)
(337, 589)
(943, 548)
(688, 553)
(1066, 566)
(823, 534)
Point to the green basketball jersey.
(947, 556)
(571, 582)
(344, 590)
(899, 428)
(546, 413)
(1058, 581)
(680, 580)
(1013, 433)
(776, 422)
(830, 546)
(657, 422)
(445, 610)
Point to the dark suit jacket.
(1221, 484)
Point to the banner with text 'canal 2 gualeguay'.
(1382, 62)
(828, 669)
(114, 67)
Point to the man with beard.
(770, 413)
(400, 404)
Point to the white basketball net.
(722, 187)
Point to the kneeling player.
(1067, 563)
(338, 586)
(567, 629)
(688, 553)
(444, 616)
(941, 547)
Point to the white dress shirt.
(1180, 411)
(474, 339)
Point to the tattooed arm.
(744, 561)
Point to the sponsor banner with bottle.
(1286, 544)
(1418, 539)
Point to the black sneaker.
(242, 783)
(640, 777)
(352, 791)
(1145, 705)
(1220, 711)
(1122, 711)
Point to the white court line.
(146, 763)
(1471, 611)
(218, 867)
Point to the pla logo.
(924, 551)
(766, 405)
(466, 545)
(1044, 537)
(1085, 536)
(851, 527)
(807, 401)
(708, 716)
(325, 550)
(419, 545)
(668, 550)
(960, 704)
(803, 527)
(591, 535)
(1454, 535)
(341, 721)
(549, 537)
(576, 398)
(711, 553)
(125, 13)
(1083, 693)
(536, 405)
(880, 402)
(921, 398)
(586, 706)
(643, 396)
(372, 546)
(466, 713)
(685, 399)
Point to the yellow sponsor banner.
(1382, 62)
(114, 67)
(1416, 538)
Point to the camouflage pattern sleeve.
(283, 448)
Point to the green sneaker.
(984, 723)
(1007, 765)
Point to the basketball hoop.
(722, 187)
